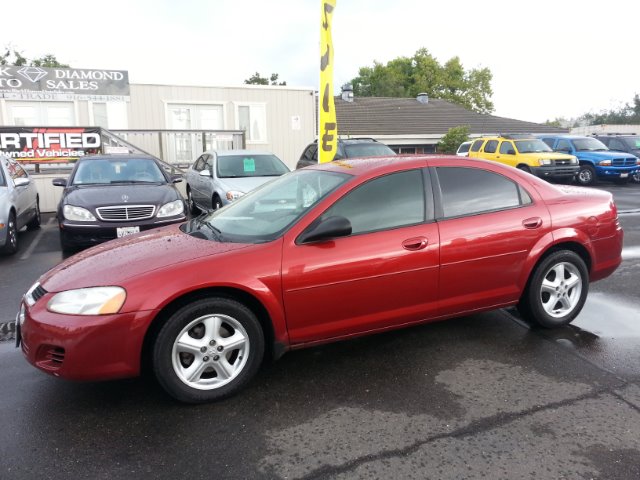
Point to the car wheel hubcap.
(585, 176)
(210, 352)
(560, 290)
(13, 234)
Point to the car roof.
(224, 153)
(561, 135)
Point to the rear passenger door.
(488, 226)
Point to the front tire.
(586, 175)
(556, 291)
(208, 350)
(193, 209)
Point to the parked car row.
(564, 157)
(19, 203)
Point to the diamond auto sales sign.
(38, 83)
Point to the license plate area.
(124, 231)
(624, 175)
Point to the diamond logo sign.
(33, 74)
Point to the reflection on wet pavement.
(630, 252)
(608, 316)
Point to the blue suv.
(597, 162)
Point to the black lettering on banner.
(325, 99)
(327, 137)
(327, 9)
(324, 60)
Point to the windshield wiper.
(217, 233)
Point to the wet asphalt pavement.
(482, 396)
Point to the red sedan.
(321, 254)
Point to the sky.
(549, 59)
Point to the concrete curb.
(7, 331)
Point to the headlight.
(234, 195)
(574, 161)
(605, 163)
(544, 161)
(171, 209)
(78, 214)
(21, 315)
(88, 301)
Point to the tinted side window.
(15, 170)
(310, 154)
(549, 141)
(476, 145)
(391, 201)
(563, 146)
(491, 146)
(467, 191)
(507, 148)
(616, 144)
(2, 180)
(199, 165)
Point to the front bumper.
(552, 171)
(92, 233)
(615, 172)
(78, 347)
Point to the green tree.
(409, 76)
(12, 56)
(256, 79)
(453, 138)
(629, 114)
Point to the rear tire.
(208, 350)
(586, 175)
(11, 236)
(556, 291)
(34, 224)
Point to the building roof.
(407, 116)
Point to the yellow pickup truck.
(526, 153)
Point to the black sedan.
(112, 196)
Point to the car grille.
(128, 212)
(563, 162)
(50, 357)
(38, 293)
(623, 162)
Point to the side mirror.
(205, 173)
(176, 178)
(21, 182)
(59, 182)
(326, 229)
(511, 152)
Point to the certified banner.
(328, 127)
(49, 144)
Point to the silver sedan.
(19, 203)
(218, 177)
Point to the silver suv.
(19, 203)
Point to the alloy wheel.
(561, 289)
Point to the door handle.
(417, 243)
(532, 223)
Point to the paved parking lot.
(482, 396)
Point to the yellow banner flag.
(328, 126)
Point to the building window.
(252, 118)
(55, 114)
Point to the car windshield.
(367, 150)
(632, 142)
(589, 145)
(236, 166)
(265, 213)
(532, 146)
(464, 148)
(117, 170)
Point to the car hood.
(112, 263)
(131, 194)
(602, 155)
(244, 184)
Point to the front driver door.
(384, 274)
